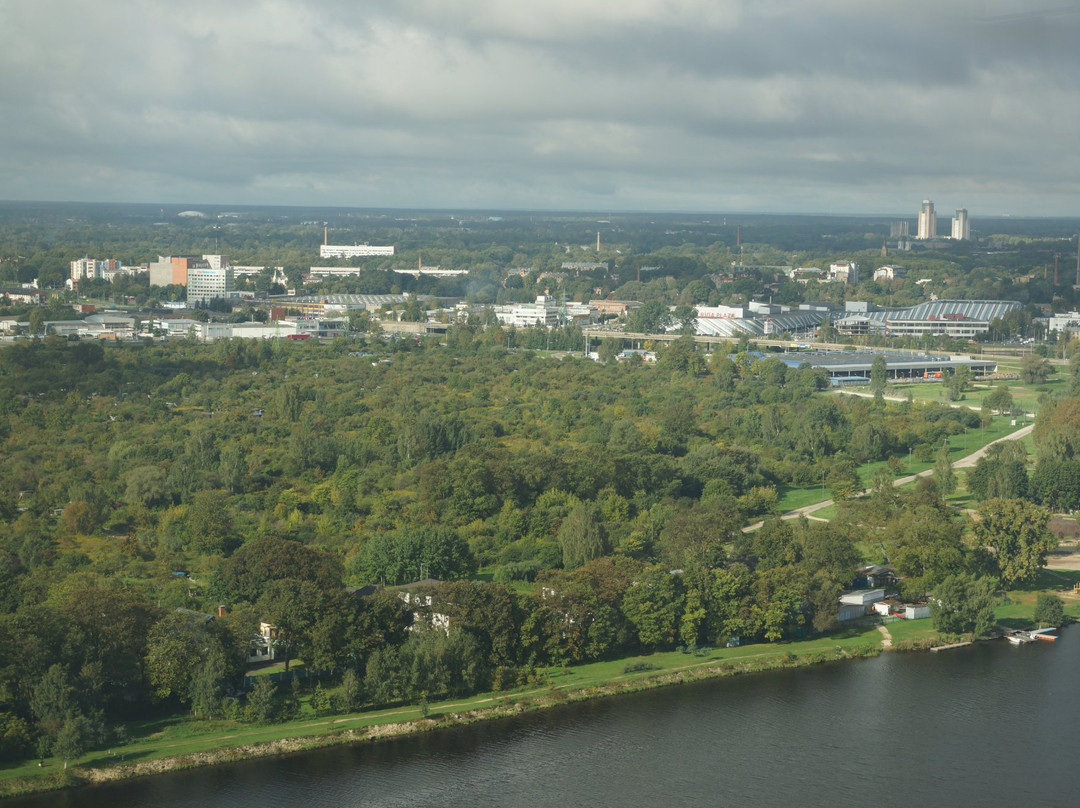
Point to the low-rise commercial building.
(353, 250)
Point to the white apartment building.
(90, 268)
(927, 221)
(961, 227)
(844, 271)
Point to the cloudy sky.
(698, 105)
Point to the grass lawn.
(793, 498)
(277, 667)
(599, 673)
(1018, 608)
(1025, 396)
(911, 632)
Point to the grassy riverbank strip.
(181, 743)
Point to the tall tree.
(944, 476)
(654, 605)
(71, 739)
(879, 376)
(581, 536)
(1015, 531)
(964, 604)
(1035, 369)
(1000, 399)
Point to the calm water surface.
(989, 725)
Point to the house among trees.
(417, 595)
(262, 645)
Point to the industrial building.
(320, 305)
(353, 250)
(759, 320)
(546, 312)
(853, 367)
(953, 318)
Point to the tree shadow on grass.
(848, 633)
(1018, 623)
(1051, 579)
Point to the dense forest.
(561, 510)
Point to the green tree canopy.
(1015, 531)
(963, 604)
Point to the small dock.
(1019, 637)
(950, 646)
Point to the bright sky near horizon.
(710, 105)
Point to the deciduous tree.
(1015, 532)
(963, 604)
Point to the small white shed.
(863, 597)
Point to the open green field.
(1025, 397)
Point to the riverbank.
(226, 742)
(179, 744)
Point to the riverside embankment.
(187, 744)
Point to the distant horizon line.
(225, 206)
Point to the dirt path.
(886, 638)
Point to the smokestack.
(1057, 271)
(598, 241)
(325, 232)
(1078, 259)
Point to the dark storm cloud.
(714, 104)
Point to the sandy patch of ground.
(1069, 561)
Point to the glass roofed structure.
(954, 318)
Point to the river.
(987, 725)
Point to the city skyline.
(691, 105)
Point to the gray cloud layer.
(782, 105)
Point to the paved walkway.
(962, 463)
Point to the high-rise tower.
(927, 221)
(961, 227)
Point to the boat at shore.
(1024, 637)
